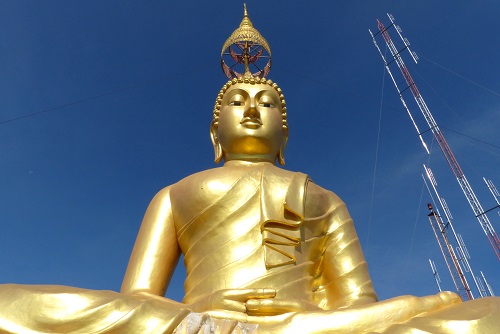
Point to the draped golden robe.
(269, 229)
(276, 241)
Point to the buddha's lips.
(251, 122)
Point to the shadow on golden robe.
(266, 250)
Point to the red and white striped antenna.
(474, 203)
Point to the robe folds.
(270, 229)
(265, 233)
(30, 309)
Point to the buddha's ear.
(215, 141)
(281, 154)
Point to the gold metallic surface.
(266, 250)
(246, 32)
(245, 37)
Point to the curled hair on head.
(249, 80)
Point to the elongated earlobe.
(281, 154)
(215, 141)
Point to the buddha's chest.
(192, 198)
(225, 190)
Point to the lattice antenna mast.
(480, 214)
(440, 230)
(461, 249)
(435, 274)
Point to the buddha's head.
(249, 121)
(250, 113)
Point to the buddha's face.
(250, 123)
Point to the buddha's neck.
(238, 163)
(245, 158)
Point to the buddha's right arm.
(156, 251)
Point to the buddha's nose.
(251, 111)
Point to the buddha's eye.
(237, 103)
(266, 101)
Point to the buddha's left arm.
(345, 280)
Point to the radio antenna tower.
(449, 255)
(455, 258)
(480, 214)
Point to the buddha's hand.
(231, 300)
(277, 306)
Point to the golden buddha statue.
(266, 250)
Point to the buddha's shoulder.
(220, 179)
(206, 176)
(229, 173)
(204, 185)
(316, 191)
(319, 200)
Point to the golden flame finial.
(246, 20)
(247, 48)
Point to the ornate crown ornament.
(245, 52)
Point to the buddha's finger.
(228, 315)
(232, 305)
(272, 306)
(246, 294)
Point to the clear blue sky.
(75, 181)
